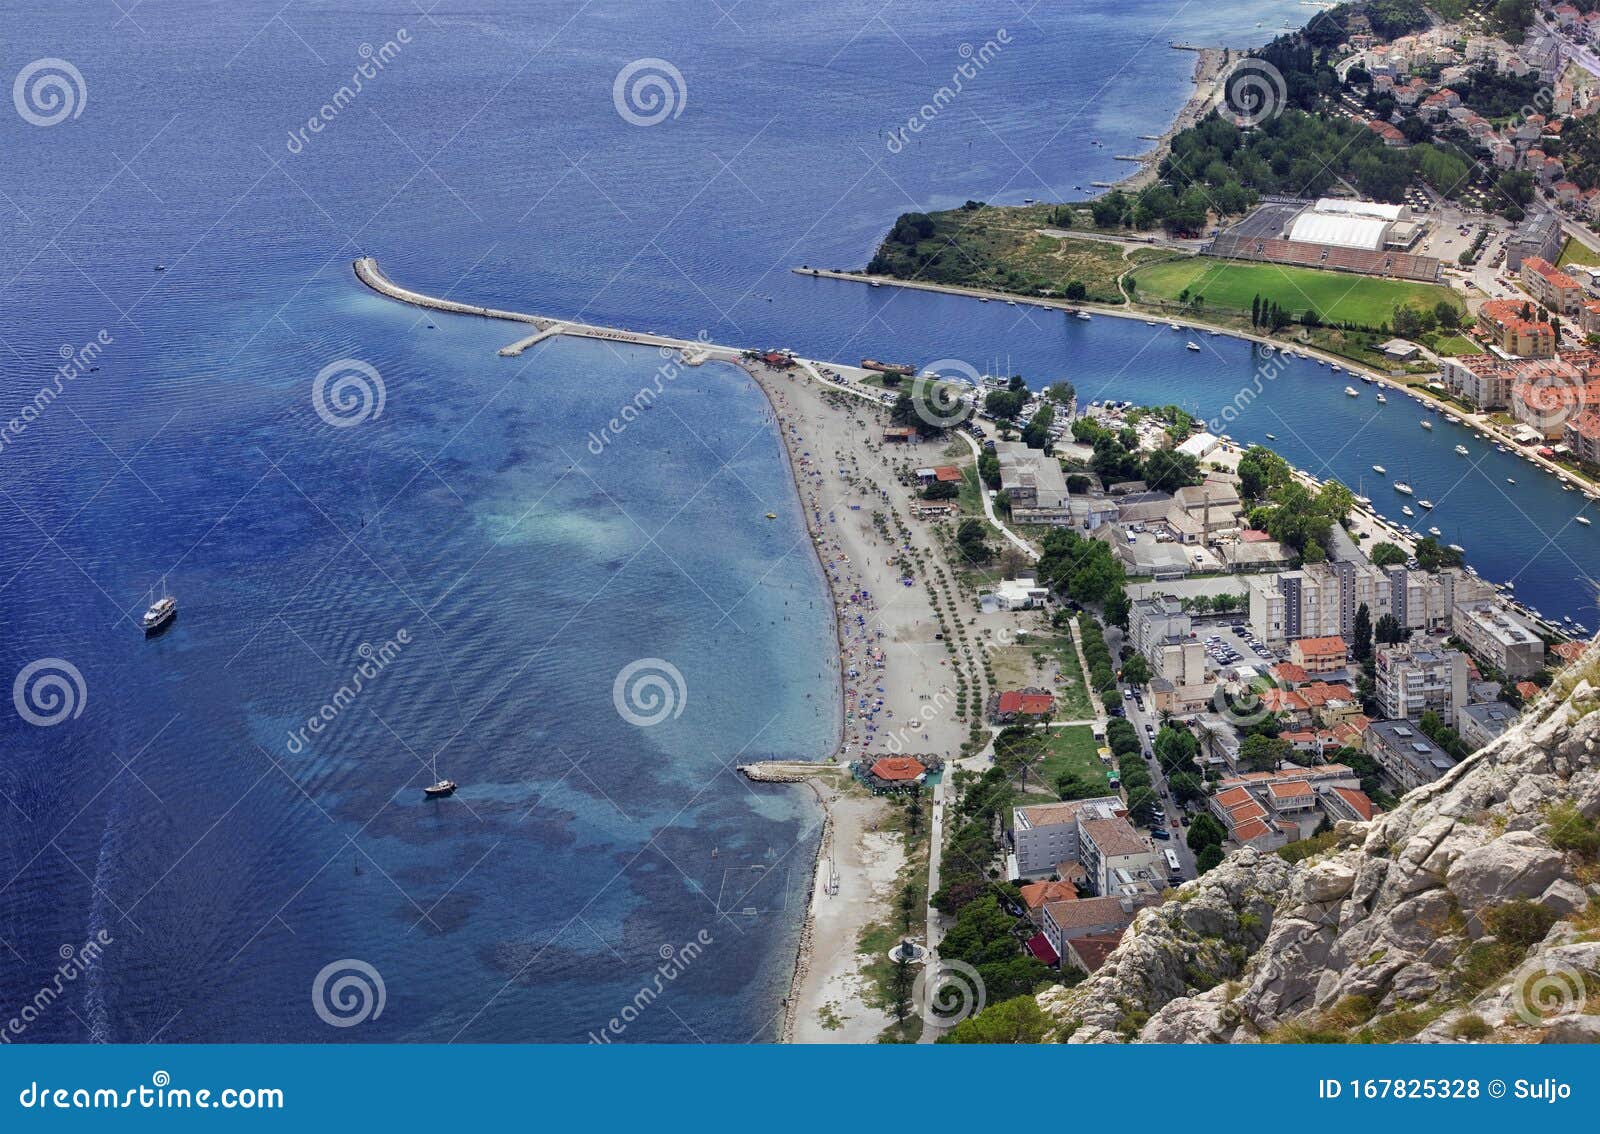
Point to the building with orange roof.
(1017, 704)
(1036, 894)
(1551, 286)
(1287, 673)
(1528, 690)
(1348, 803)
(1581, 434)
(1327, 654)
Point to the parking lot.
(1229, 643)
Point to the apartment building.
(1413, 680)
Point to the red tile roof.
(1356, 799)
(947, 472)
(1032, 704)
(1036, 894)
(1330, 646)
(1093, 948)
(897, 768)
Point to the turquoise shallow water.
(488, 162)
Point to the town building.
(1033, 482)
(1406, 756)
(1044, 835)
(1319, 655)
(1110, 847)
(1411, 681)
(1500, 637)
(1550, 286)
(1480, 725)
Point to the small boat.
(1584, 520)
(1272, 437)
(1403, 488)
(1174, 327)
(440, 789)
(1213, 334)
(1382, 400)
(1511, 480)
(1426, 424)
(983, 299)
(1192, 346)
(1425, 504)
(1337, 369)
(1379, 469)
(161, 267)
(1351, 392)
(1461, 450)
(161, 612)
(1151, 323)
(1457, 548)
(1364, 501)
(1405, 510)
(1084, 315)
(1435, 532)
(1367, 378)
(1322, 362)
(772, 515)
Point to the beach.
(897, 682)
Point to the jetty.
(521, 345)
(788, 771)
(692, 351)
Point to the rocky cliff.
(1469, 912)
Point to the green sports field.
(1337, 296)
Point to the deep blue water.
(227, 865)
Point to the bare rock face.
(1390, 933)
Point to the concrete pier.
(521, 345)
(691, 351)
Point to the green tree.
(941, 490)
(1385, 554)
(1136, 671)
(1207, 859)
(1361, 647)
(1018, 1020)
(1260, 753)
(1205, 831)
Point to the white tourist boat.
(1352, 392)
(1461, 450)
(1403, 488)
(1192, 346)
(1379, 469)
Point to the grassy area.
(907, 920)
(1576, 252)
(1072, 749)
(1337, 296)
(1002, 249)
(1456, 344)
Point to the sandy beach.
(897, 681)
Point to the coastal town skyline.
(839, 568)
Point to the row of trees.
(1286, 508)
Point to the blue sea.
(440, 555)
